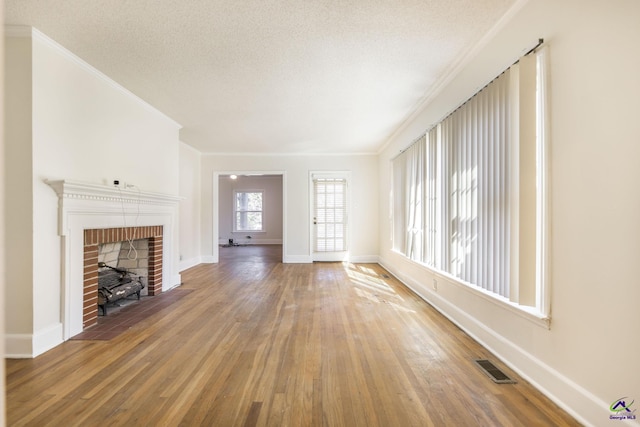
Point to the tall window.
(248, 210)
(469, 196)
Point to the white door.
(330, 218)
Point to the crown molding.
(17, 31)
(452, 72)
(286, 154)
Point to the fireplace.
(93, 214)
(93, 238)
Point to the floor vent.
(494, 373)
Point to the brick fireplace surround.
(95, 237)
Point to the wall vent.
(493, 372)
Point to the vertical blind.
(477, 169)
(451, 190)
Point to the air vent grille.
(493, 372)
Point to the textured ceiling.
(271, 76)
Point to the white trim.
(215, 217)
(328, 174)
(528, 313)
(28, 346)
(456, 68)
(581, 404)
(252, 241)
(364, 259)
(176, 282)
(286, 154)
(296, 259)
(215, 211)
(18, 346)
(186, 264)
(543, 195)
(47, 338)
(191, 148)
(87, 206)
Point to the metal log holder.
(115, 284)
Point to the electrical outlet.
(435, 285)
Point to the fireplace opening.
(127, 268)
(122, 273)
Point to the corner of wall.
(27, 346)
(18, 346)
(47, 338)
(189, 263)
(297, 259)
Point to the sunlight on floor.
(372, 287)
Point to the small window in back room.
(248, 210)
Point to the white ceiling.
(271, 76)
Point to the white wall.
(363, 221)
(84, 128)
(190, 207)
(588, 358)
(17, 164)
(272, 216)
(2, 236)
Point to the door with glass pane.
(329, 218)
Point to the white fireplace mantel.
(83, 206)
(79, 197)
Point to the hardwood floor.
(258, 342)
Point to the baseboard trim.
(252, 241)
(47, 338)
(365, 259)
(28, 346)
(176, 280)
(296, 259)
(186, 264)
(18, 346)
(580, 403)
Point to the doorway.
(250, 224)
(330, 216)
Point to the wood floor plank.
(259, 343)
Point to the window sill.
(526, 312)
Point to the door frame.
(215, 255)
(328, 256)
